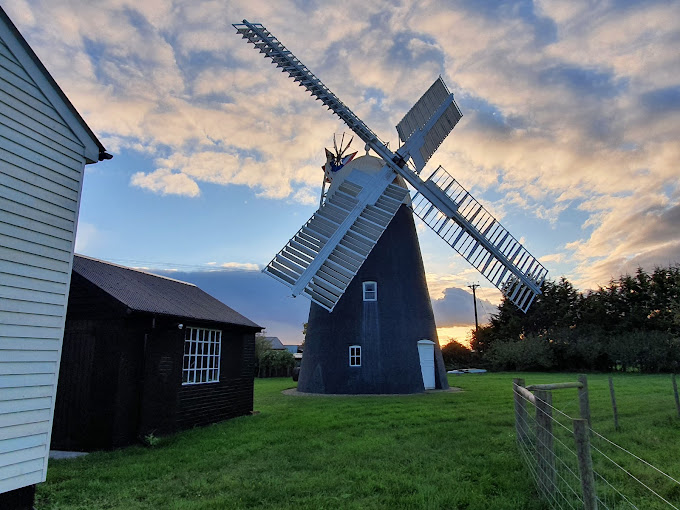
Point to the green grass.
(438, 450)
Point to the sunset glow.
(569, 135)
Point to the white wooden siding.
(42, 157)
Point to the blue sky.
(569, 136)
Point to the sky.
(569, 135)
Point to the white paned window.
(354, 355)
(370, 291)
(202, 349)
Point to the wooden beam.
(554, 386)
(526, 394)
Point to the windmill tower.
(362, 239)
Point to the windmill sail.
(310, 262)
(264, 41)
(473, 232)
(428, 123)
(325, 254)
(423, 110)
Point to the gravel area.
(295, 393)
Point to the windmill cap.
(370, 165)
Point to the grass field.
(438, 450)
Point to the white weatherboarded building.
(44, 147)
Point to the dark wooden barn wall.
(18, 499)
(97, 402)
(169, 406)
(121, 375)
(201, 404)
(162, 378)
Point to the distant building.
(145, 354)
(293, 349)
(45, 147)
(275, 343)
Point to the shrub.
(276, 363)
(456, 355)
(530, 353)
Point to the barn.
(146, 354)
(44, 147)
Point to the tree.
(262, 345)
(456, 355)
(304, 337)
(633, 322)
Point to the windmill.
(330, 260)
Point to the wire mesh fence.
(575, 467)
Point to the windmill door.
(426, 352)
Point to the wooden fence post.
(545, 452)
(675, 390)
(585, 464)
(616, 411)
(520, 412)
(583, 401)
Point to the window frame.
(374, 291)
(354, 355)
(201, 360)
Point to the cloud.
(646, 236)
(86, 236)
(567, 105)
(456, 308)
(165, 182)
(240, 265)
(551, 257)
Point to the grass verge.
(438, 450)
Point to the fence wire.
(623, 480)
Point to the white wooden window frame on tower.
(202, 352)
(370, 291)
(354, 355)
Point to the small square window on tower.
(354, 355)
(370, 291)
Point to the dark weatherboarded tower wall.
(387, 330)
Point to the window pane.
(201, 359)
(370, 291)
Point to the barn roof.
(276, 344)
(146, 292)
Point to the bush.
(531, 353)
(276, 363)
(647, 351)
(456, 355)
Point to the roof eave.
(253, 326)
(94, 150)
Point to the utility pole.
(474, 300)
